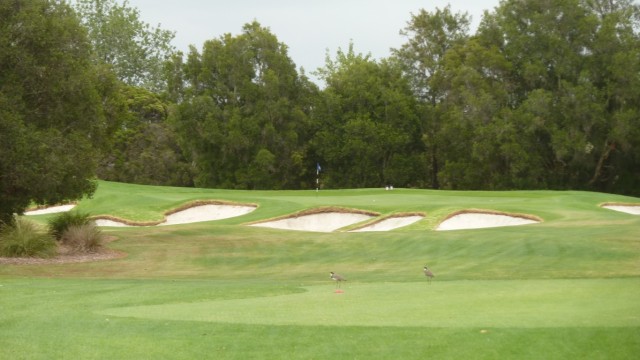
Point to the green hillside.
(566, 287)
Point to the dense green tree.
(481, 149)
(429, 37)
(135, 50)
(574, 67)
(144, 148)
(613, 68)
(540, 97)
(244, 116)
(368, 134)
(51, 114)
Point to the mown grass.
(564, 288)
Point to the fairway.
(470, 304)
(566, 287)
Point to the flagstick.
(317, 178)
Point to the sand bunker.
(391, 223)
(50, 210)
(207, 213)
(629, 209)
(110, 223)
(192, 215)
(320, 222)
(478, 220)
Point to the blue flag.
(318, 168)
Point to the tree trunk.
(608, 148)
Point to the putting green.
(512, 303)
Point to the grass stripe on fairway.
(510, 303)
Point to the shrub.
(84, 238)
(24, 238)
(59, 224)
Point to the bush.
(85, 238)
(24, 238)
(60, 223)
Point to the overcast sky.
(309, 28)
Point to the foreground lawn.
(184, 319)
(562, 289)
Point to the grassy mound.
(564, 288)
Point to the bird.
(337, 278)
(428, 273)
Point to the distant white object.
(629, 209)
(481, 220)
(51, 210)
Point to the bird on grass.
(337, 278)
(428, 273)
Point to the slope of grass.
(563, 288)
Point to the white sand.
(193, 215)
(110, 223)
(480, 220)
(321, 222)
(629, 209)
(391, 223)
(207, 213)
(50, 210)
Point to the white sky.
(309, 28)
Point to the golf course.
(565, 286)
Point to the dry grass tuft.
(85, 238)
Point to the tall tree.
(51, 111)
(144, 148)
(135, 49)
(614, 66)
(429, 37)
(575, 64)
(368, 132)
(482, 149)
(244, 117)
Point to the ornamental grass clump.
(24, 238)
(85, 238)
(59, 224)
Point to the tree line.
(543, 95)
